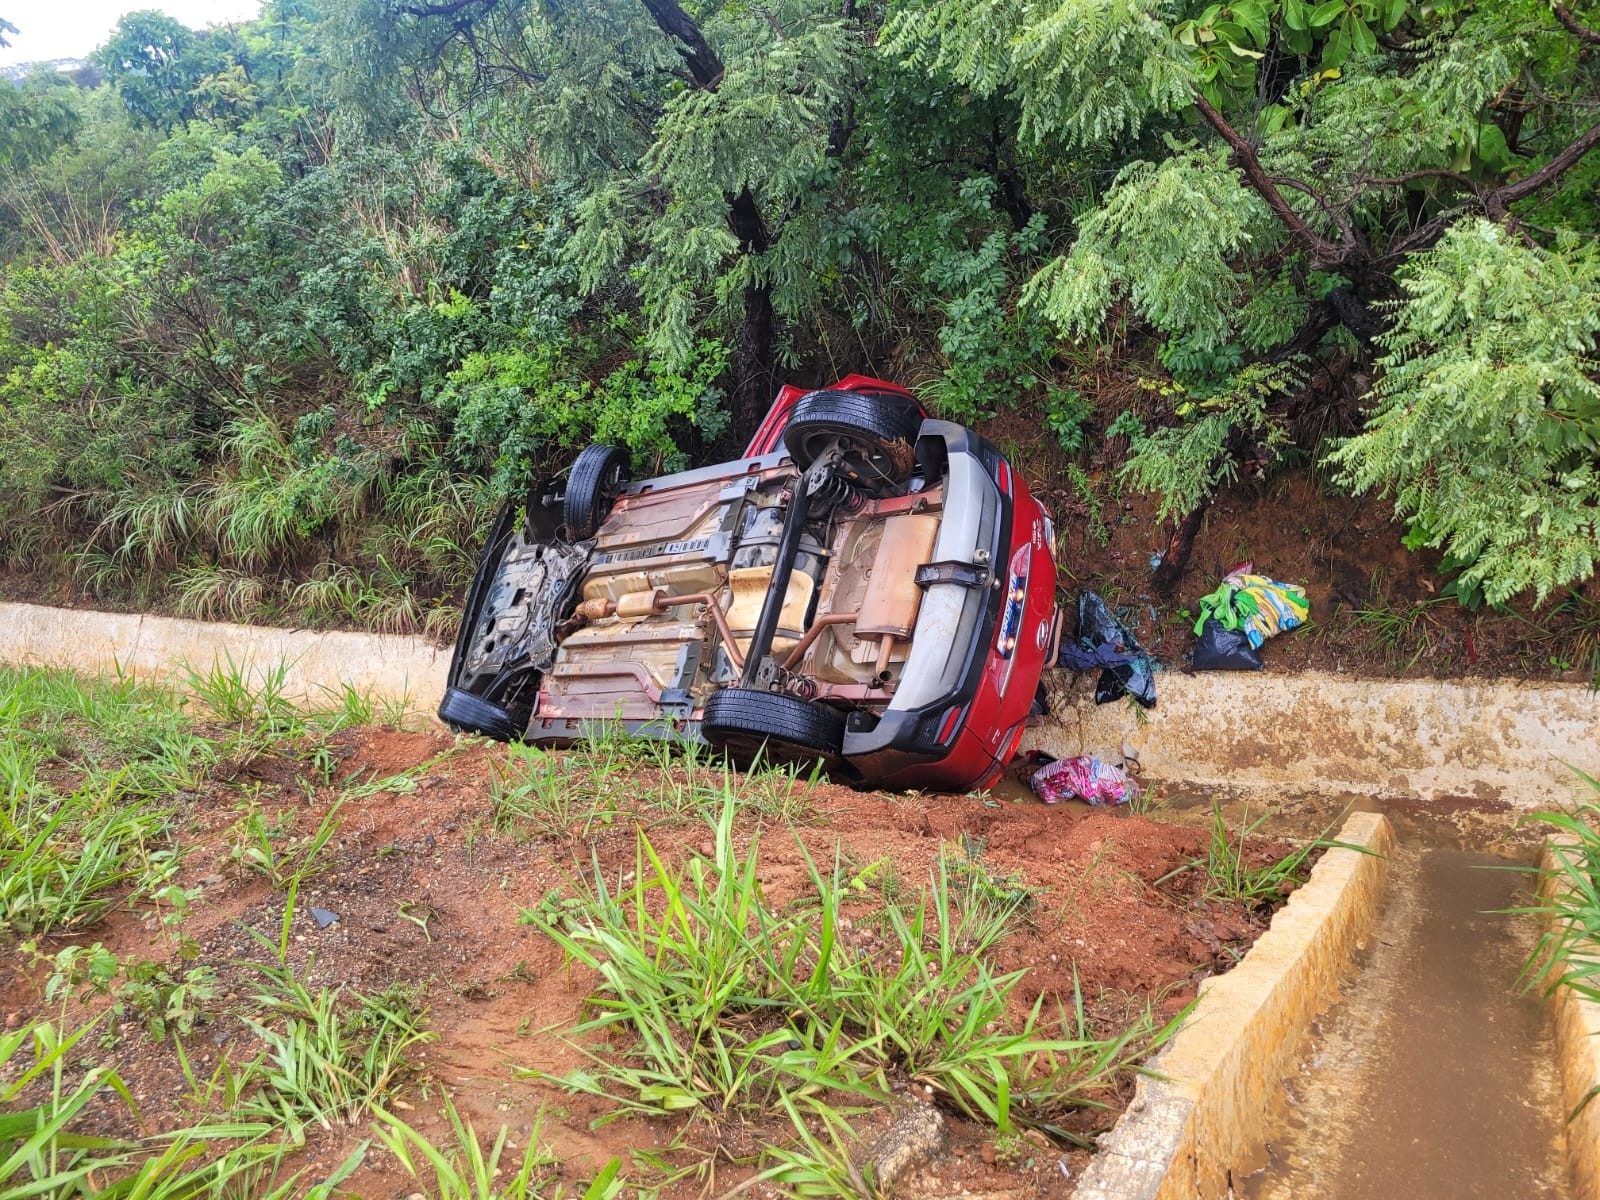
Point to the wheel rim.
(611, 484)
(873, 465)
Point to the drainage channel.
(1434, 1077)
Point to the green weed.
(1568, 952)
(462, 1169)
(331, 1054)
(1090, 500)
(265, 847)
(88, 769)
(611, 774)
(239, 694)
(166, 1001)
(725, 1007)
(43, 1158)
(986, 895)
(209, 592)
(1229, 875)
(1405, 634)
(65, 862)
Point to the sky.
(50, 29)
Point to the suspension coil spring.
(794, 684)
(835, 491)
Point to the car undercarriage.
(825, 600)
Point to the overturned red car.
(867, 586)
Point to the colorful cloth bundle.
(1259, 606)
(1083, 778)
(1241, 614)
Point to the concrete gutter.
(1482, 740)
(406, 673)
(1485, 741)
(1577, 1029)
(1192, 1127)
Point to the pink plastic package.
(1083, 778)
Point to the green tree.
(36, 118)
(705, 146)
(155, 62)
(1291, 159)
(1486, 423)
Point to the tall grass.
(611, 774)
(1229, 874)
(1568, 952)
(92, 772)
(332, 1054)
(462, 1169)
(718, 1005)
(88, 772)
(101, 725)
(42, 1157)
(63, 861)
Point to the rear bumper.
(956, 624)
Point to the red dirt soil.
(428, 892)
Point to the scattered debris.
(1083, 777)
(917, 1137)
(1104, 642)
(1243, 612)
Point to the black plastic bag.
(1224, 649)
(1103, 641)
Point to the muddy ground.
(428, 881)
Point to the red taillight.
(948, 725)
(1005, 479)
(1011, 747)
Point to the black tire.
(878, 434)
(744, 722)
(466, 713)
(592, 488)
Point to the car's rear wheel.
(746, 722)
(876, 433)
(466, 713)
(593, 486)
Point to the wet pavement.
(1434, 1077)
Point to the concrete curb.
(1477, 739)
(405, 672)
(1187, 1131)
(1577, 1030)
(1482, 740)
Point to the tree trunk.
(1003, 167)
(754, 365)
(698, 56)
(1179, 547)
(754, 375)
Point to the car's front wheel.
(466, 713)
(747, 722)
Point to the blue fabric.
(1103, 642)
